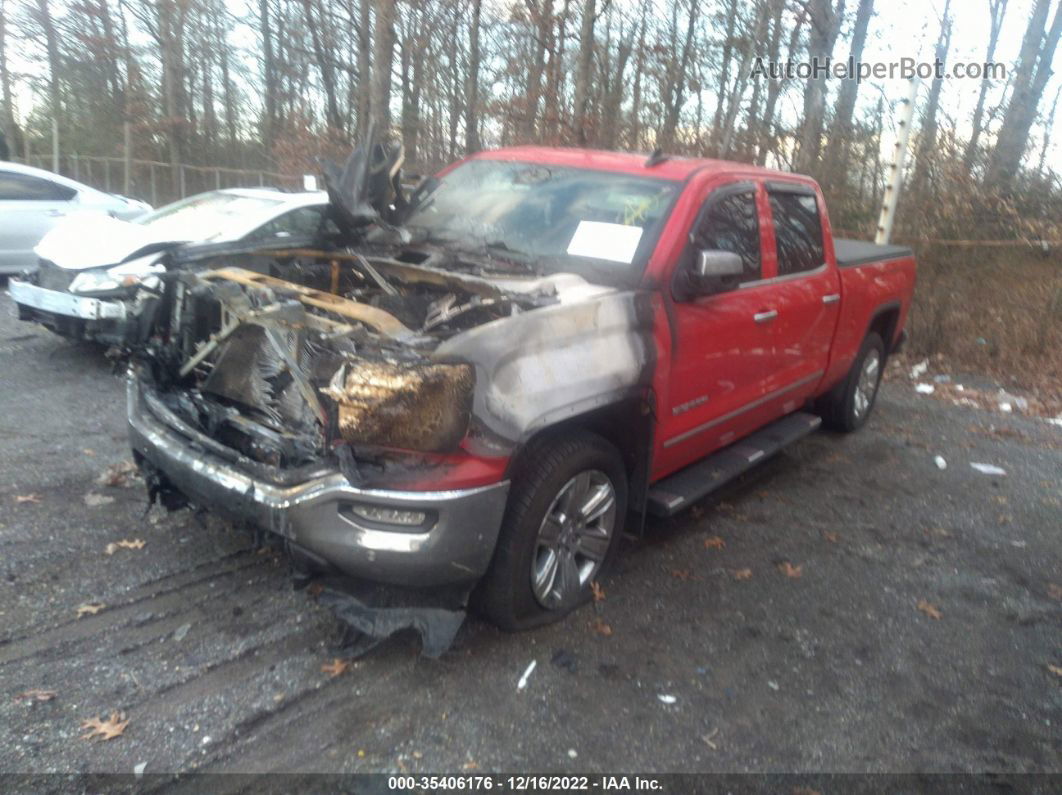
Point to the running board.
(675, 492)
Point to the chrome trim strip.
(737, 412)
(787, 278)
(831, 299)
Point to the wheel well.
(627, 424)
(884, 323)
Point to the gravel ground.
(216, 661)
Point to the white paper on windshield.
(615, 242)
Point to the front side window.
(23, 187)
(797, 230)
(601, 225)
(729, 223)
(301, 222)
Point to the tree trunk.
(269, 73)
(472, 83)
(675, 94)
(583, 65)
(324, 66)
(996, 10)
(1034, 69)
(364, 68)
(52, 47)
(774, 88)
(825, 25)
(927, 140)
(840, 138)
(542, 19)
(382, 58)
(7, 115)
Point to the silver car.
(92, 270)
(32, 201)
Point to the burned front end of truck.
(363, 403)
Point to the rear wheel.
(565, 513)
(848, 405)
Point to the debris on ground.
(791, 571)
(89, 609)
(21, 498)
(709, 739)
(665, 698)
(988, 469)
(94, 500)
(925, 389)
(108, 729)
(565, 659)
(597, 591)
(120, 475)
(138, 769)
(940, 462)
(336, 667)
(125, 543)
(743, 574)
(601, 628)
(919, 369)
(715, 542)
(36, 695)
(527, 674)
(182, 632)
(929, 610)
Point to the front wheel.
(565, 513)
(848, 405)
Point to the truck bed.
(850, 253)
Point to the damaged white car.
(93, 273)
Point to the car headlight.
(423, 407)
(141, 271)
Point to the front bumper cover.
(64, 303)
(455, 545)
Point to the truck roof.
(673, 167)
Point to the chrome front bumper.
(454, 545)
(63, 303)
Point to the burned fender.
(539, 368)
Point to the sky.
(899, 28)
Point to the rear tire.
(848, 405)
(564, 517)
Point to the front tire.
(565, 514)
(847, 406)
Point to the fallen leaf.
(805, 791)
(1054, 591)
(929, 609)
(471, 766)
(597, 591)
(125, 543)
(1055, 669)
(715, 542)
(88, 452)
(833, 538)
(104, 729)
(314, 589)
(682, 574)
(90, 609)
(743, 574)
(36, 695)
(336, 667)
(791, 571)
(601, 628)
(94, 500)
(20, 498)
(117, 475)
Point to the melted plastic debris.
(373, 613)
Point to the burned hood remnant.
(363, 402)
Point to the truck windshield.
(602, 225)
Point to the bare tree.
(825, 26)
(382, 57)
(997, 9)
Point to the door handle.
(831, 299)
(765, 317)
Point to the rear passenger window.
(23, 187)
(797, 230)
(729, 223)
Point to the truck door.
(722, 352)
(805, 293)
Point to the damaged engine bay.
(294, 357)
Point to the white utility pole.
(894, 180)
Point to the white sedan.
(90, 269)
(33, 201)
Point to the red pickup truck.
(482, 385)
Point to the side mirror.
(715, 264)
